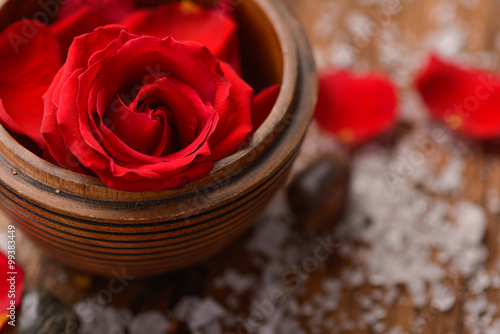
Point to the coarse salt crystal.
(151, 322)
(205, 313)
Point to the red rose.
(144, 113)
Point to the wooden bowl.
(79, 221)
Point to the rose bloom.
(149, 104)
(140, 130)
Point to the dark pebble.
(318, 195)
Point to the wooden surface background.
(482, 173)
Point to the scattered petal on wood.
(356, 108)
(466, 99)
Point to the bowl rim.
(92, 187)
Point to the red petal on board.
(466, 99)
(356, 108)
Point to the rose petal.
(51, 134)
(355, 108)
(237, 125)
(165, 54)
(29, 63)
(186, 21)
(139, 131)
(78, 56)
(78, 23)
(232, 93)
(178, 96)
(465, 99)
(75, 128)
(263, 104)
(111, 11)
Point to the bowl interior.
(268, 57)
